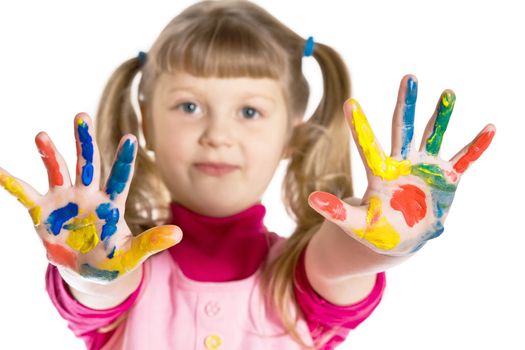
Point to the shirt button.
(212, 342)
(212, 308)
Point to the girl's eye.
(250, 113)
(188, 107)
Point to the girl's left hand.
(409, 192)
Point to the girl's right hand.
(82, 227)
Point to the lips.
(215, 169)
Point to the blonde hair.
(239, 39)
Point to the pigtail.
(319, 152)
(148, 199)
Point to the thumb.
(149, 242)
(156, 239)
(344, 215)
(367, 225)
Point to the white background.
(462, 290)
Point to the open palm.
(82, 227)
(409, 192)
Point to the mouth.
(216, 169)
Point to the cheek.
(172, 156)
(172, 145)
(263, 158)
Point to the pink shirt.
(207, 302)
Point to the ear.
(296, 120)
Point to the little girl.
(170, 251)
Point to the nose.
(216, 133)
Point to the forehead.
(170, 83)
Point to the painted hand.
(410, 192)
(82, 227)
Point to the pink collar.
(221, 249)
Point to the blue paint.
(86, 143)
(418, 246)
(121, 169)
(87, 174)
(441, 201)
(59, 216)
(111, 216)
(110, 256)
(408, 116)
(91, 272)
(436, 231)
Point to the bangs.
(223, 48)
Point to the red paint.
(330, 204)
(410, 201)
(376, 215)
(50, 161)
(60, 255)
(474, 151)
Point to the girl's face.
(241, 122)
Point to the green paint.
(433, 175)
(446, 105)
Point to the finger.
(337, 211)
(367, 225)
(119, 180)
(57, 172)
(403, 121)
(88, 156)
(152, 241)
(437, 125)
(140, 248)
(377, 162)
(471, 152)
(22, 191)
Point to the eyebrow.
(243, 95)
(175, 89)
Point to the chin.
(221, 209)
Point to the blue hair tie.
(309, 47)
(142, 58)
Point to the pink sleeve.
(82, 320)
(323, 316)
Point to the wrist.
(98, 295)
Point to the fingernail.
(330, 204)
(448, 98)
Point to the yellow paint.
(378, 230)
(151, 241)
(379, 163)
(83, 234)
(35, 215)
(16, 189)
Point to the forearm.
(339, 268)
(102, 296)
